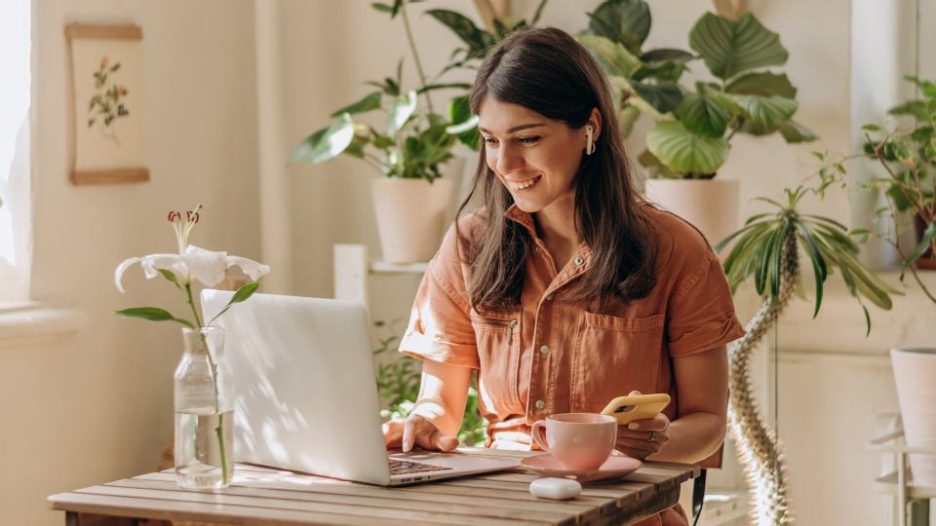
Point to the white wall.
(99, 407)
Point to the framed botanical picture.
(107, 95)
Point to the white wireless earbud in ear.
(590, 138)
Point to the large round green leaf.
(702, 115)
(762, 83)
(765, 112)
(664, 97)
(613, 57)
(327, 143)
(730, 48)
(685, 152)
(624, 21)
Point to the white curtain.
(15, 35)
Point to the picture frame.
(107, 98)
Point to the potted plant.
(767, 248)
(907, 156)
(409, 149)
(694, 126)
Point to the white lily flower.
(194, 263)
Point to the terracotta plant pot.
(914, 371)
(711, 205)
(411, 216)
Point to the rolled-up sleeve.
(439, 327)
(701, 313)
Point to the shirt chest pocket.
(614, 356)
(498, 340)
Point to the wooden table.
(266, 496)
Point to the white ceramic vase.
(710, 204)
(915, 377)
(411, 216)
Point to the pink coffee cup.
(577, 440)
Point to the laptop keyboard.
(399, 467)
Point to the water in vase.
(203, 445)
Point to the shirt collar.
(525, 219)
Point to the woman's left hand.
(642, 438)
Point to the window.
(15, 139)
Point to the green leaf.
(152, 314)
(327, 143)
(464, 124)
(762, 83)
(871, 128)
(626, 118)
(476, 39)
(926, 86)
(916, 108)
(666, 55)
(731, 48)
(170, 277)
(242, 294)
(624, 21)
(537, 13)
(818, 262)
(382, 7)
(403, 108)
(767, 113)
(685, 152)
(703, 116)
(794, 132)
(245, 292)
(655, 168)
(929, 235)
(368, 103)
(664, 97)
(449, 85)
(613, 57)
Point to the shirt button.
(540, 405)
(544, 349)
(579, 261)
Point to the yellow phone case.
(636, 407)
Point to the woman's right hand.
(416, 430)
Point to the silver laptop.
(306, 393)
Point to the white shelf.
(353, 270)
(382, 267)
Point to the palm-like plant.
(762, 244)
(767, 248)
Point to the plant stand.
(911, 500)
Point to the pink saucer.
(547, 466)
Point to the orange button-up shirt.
(554, 355)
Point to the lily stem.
(213, 367)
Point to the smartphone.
(636, 407)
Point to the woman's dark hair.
(545, 70)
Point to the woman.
(566, 290)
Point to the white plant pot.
(411, 216)
(711, 205)
(915, 376)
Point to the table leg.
(71, 518)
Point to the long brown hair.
(545, 70)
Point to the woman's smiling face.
(534, 157)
